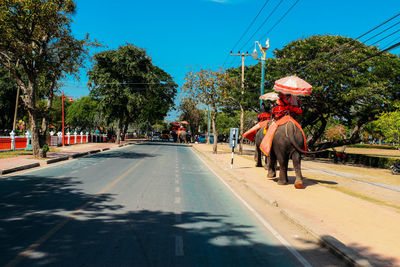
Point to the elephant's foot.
(298, 184)
(280, 182)
(259, 165)
(271, 174)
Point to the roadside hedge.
(373, 146)
(360, 159)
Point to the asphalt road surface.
(149, 204)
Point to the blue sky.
(180, 35)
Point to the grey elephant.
(287, 144)
(182, 137)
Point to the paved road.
(143, 205)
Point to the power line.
(262, 24)
(383, 23)
(248, 27)
(381, 32)
(284, 15)
(337, 49)
(386, 37)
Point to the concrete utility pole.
(242, 55)
(241, 108)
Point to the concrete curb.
(49, 161)
(54, 160)
(78, 155)
(350, 256)
(19, 168)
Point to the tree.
(207, 87)
(191, 114)
(35, 44)
(346, 87)
(83, 114)
(389, 122)
(8, 93)
(129, 88)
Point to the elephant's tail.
(296, 146)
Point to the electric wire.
(244, 33)
(381, 32)
(386, 37)
(262, 24)
(284, 15)
(338, 49)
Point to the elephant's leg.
(283, 166)
(257, 156)
(271, 163)
(296, 159)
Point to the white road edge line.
(264, 222)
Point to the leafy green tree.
(36, 47)
(207, 87)
(389, 122)
(191, 113)
(129, 88)
(83, 114)
(345, 85)
(8, 94)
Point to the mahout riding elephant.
(182, 137)
(174, 136)
(287, 144)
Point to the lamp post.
(63, 128)
(263, 50)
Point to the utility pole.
(242, 55)
(62, 103)
(242, 111)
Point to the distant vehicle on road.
(203, 138)
(156, 137)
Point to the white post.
(81, 137)
(12, 134)
(87, 137)
(59, 139)
(75, 134)
(69, 137)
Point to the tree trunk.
(119, 131)
(34, 133)
(214, 119)
(241, 129)
(45, 121)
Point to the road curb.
(78, 155)
(20, 168)
(336, 247)
(49, 161)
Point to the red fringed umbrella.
(293, 85)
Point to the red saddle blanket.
(251, 134)
(266, 143)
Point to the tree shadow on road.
(70, 227)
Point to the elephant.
(182, 137)
(174, 136)
(286, 144)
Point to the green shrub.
(45, 148)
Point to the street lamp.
(255, 55)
